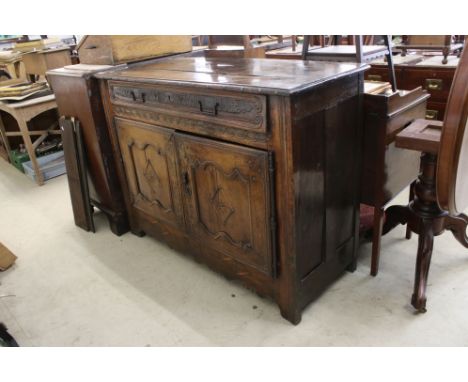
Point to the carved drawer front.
(148, 154)
(176, 107)
(228, 199)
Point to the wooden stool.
(441, 191)
(23, 112)
(441, 43)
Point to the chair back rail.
(452, 165)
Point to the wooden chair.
(233, 46)
(441, 191)
(243, 46)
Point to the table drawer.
(381, 74)
(192, 106)
(436, 82)
(435, 110)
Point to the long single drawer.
(436, 81)
(235, 110)
(436, 110)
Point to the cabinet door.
(148, 154)
(227, 198)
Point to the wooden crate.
(112, 50)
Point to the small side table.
(23, 112)
(37, 63)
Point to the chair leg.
(379, 216)
(411, 197)
(423, 262)
(445, 52)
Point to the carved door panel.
(227, 198)
(148, 154)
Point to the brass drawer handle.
(432, 114)
(374, 77)
(434, 84)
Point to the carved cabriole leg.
(379, 216)
(423, 262)
(395, 215)
(457, 225)
(427, 221)
(425, 218)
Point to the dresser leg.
(294, 316)
(352, 265)
(118, 225)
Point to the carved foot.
(352, 265)
(118, 225)
(423, 262)
(457, 225)
(408, 233)
(138, 233)
(419, 304)
(395, 215)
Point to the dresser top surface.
(264, 76)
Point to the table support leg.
(30, 149)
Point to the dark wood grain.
(259, 76)
(269, 198)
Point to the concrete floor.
(72, 288)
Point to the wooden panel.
(341, 174)
(228, 199)
(148, 155)
(86, 106)
(310, 157)
(76, 174)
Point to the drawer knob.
(209, 107)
